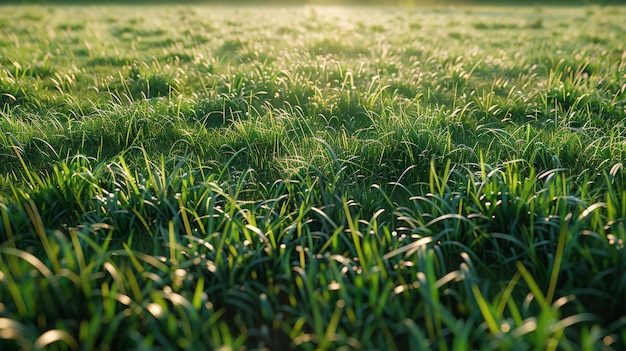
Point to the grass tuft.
(312, 178)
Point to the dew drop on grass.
(607, 340)
(610, 238)
(9, 333)
(123, 299)
(155, 309)
(210, 266)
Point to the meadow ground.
(312, 178)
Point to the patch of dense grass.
(312, 178)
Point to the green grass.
(314, 178)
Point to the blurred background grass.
(326, 2)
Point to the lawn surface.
(312, 178)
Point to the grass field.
(312, 178)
